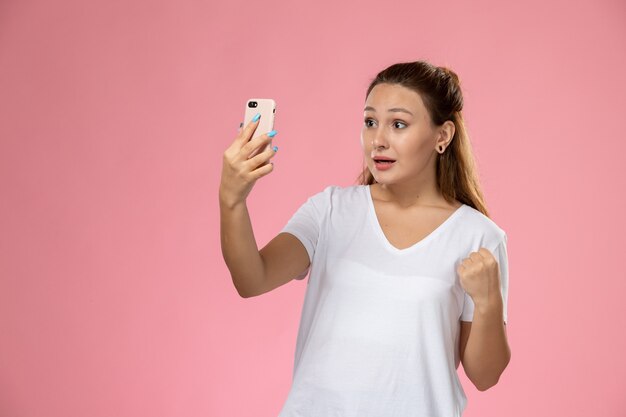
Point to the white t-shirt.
(380, 326)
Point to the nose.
(379, 140)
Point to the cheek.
(421, 147)
(413, 142)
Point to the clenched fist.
(479, 276)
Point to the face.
(397, 126)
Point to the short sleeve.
(500, 253)
(305, 224)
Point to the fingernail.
(272, 133)
(256, 117)
(275, 148)
(241, 124)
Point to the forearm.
(239, 247)
(487, 352)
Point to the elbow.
(487, 378)
(247, 292)
(484, 387)
(486, 383)
(243, 292)
(250, 283)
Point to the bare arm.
(239, 249)
(253, 272)
(284, 258)
(256, 272)
(485, 350)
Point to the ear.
(446, 133)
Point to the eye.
(369, 122)
(399, 125)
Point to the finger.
(476, 256)
(262, 171)
(262, 157)
(257, 142)
(243, 137)
(488, 257)
(247, 132)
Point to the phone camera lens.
(252, 104)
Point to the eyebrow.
(395, 110)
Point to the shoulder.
(476, 223)
(338, 200)
(336, 193)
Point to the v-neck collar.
(379, 230)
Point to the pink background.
(114, 298)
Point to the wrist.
(489, 306)
(229, 202)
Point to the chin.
(382, 177)
(382, 180)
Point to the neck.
(422, 192)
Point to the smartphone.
(267, 108)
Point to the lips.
(383, 163)
(383, 159)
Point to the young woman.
(408, 276)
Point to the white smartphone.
(267, 108)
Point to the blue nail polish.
(256, 117)
(275, 148)
(272, 133)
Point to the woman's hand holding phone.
(239, 172)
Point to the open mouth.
(384, 161)
(383, 164)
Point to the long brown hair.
(439, 88)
